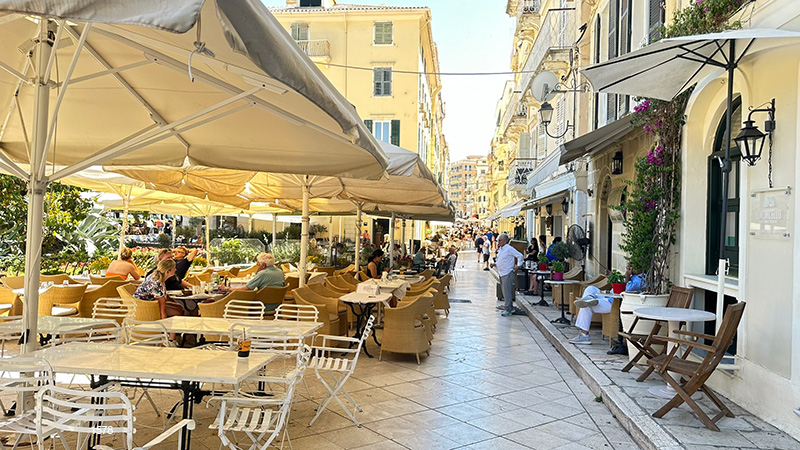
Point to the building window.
(299, 31)
(382, 129)
(383, 33)
(308, 3)
(381, 81)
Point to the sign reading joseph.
(770, 213)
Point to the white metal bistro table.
(220, 326)
(674, 317)
(47, 325)
(170, 368)
(365, 303)
(563, 319)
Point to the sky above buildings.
(472, 36)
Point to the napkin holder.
(368, 288)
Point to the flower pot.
(558, 276)
(618, 288)
(542, 266)
(632, 302)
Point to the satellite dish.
(543, 85)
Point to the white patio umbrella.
(665, 69)
(408, 182)
(123, 83)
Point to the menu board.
(770, 213)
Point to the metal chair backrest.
(136, 335)
(288, 311)
(24, 374)
(86, 412)
(114, 308)
(680, 297)
(106, 331)
(244, 310)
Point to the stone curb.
(642, 427)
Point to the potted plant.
(543, 261)
(560, 250)
(617, 281)
(558, 271)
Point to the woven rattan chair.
(428, 273)
(403, 327)
(442, 301)
(610, 321)
(58, 278)
(99, 279)
(328, 310)
(271, 297)
(349, 278)
(349, 270)
(252, 270)
(337, 284)
(293, 283)
(60, 295)
(679, 297)
(127, 290)
(695, 373)
(233, 272)
(8, 297)
(286, 268)
(328, 270)
(147, 311)
(14, 282)
(108, 290)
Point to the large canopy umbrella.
(121, 82)
(665, 69)
(408, 182)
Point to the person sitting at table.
(124, 266)
(594, 302)
(153, 289)
(164, 253)
(183, 261)
(549, 253)
(418, 263)
(452, 257)
(267, 275)
(532, 252)
(374, 265)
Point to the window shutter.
(656, 20)
(395, 136)
(561, 115)
(387, 82)
(613, 46)
(299, 31)
(524, 146)
(624, 30)
(541, 142)
(383, 33)
(368, 124)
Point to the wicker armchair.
(441, 300)
(349, 270)
(108, 290)
(611, 322)
(60, 295)
(286, 268)
(330, 314)
(194, 280)
(327, 290)
(328, 270)
(419, 288)
(127, 290)
(217, 308)
(14, 282)
(98, 279)
(428, 273)
(338, 283)
(8, 297)
(247, 272)
(233, 272)
(271, 297)
(293, 283)
(146, 311)
(600, 281)
(205, 275)
(576, 273)
(403, 327)
(59, 278)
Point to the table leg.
(563, 319)
(361, 323)
(188, 389)
(666, 390)
(541, 302)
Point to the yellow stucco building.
(376, 56)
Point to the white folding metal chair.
(244, 310)
(23, 375)
(105, 331)
(135, 335)
(286, 311)
(92, 415)
(10, 330)
(338, 369)
(114, 309)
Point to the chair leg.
(724, 410)
(646, 374)
(417, 355)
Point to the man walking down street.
(508, 262)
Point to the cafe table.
(220, 326)
(155, 367)
(541, 276)
(365, 303)
(49, 324)
(563, 319)
(89, 288)
(674, 318)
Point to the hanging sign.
(770, 213)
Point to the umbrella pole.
(358, 237)
(126, 201)
(208, 241)
(341, 237)
(403, 237)
(174, 228)
(37, 187)
(274, 231)
(250, 223)
(330, 235)
(303, 266)
(411, 241)
(391, 243)
(726, 170)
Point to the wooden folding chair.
(679, 297)
(696, 373)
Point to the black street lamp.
(549, 208)
(616, 164)
(565, 205)
(751, 139)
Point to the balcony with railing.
(552, 45)
(518, 172)
(319, 50)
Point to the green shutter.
(368, 124)
(395, 139)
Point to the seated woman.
(124, 266)
(374, 266)
(153, 289)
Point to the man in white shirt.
(508, 261)
(487, 245)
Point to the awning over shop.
(548, 167)
(595, 140)
(510, 210)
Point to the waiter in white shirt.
(508, 261)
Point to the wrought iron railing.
(518, 172)
(317, 48)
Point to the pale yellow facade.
(348, 42)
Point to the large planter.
(631, 302)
